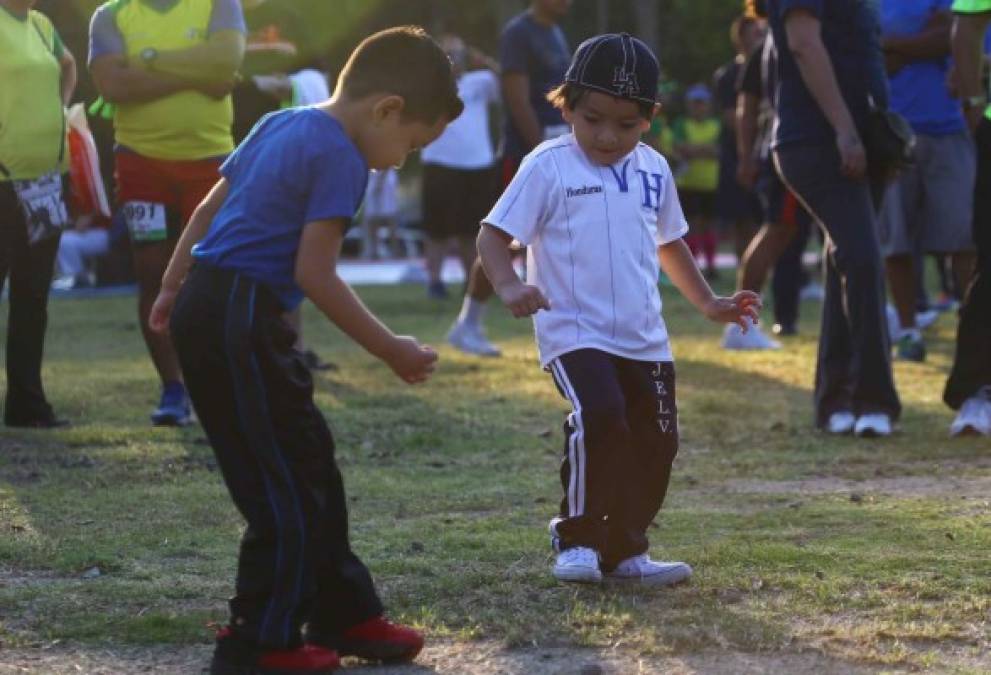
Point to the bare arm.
(69, 75)
(805, 42)
(493, 251)
(119, 83)
(932, 43)
(747, 109)
(516, 93)
(182, 257)
(968, 34)
(217, 59)
(677, 262)
(316, 274)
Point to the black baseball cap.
(617, 64)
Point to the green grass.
(451, 485)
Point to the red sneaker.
(380, 640)
(233, 657)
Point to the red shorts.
(175, 187)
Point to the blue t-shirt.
(851, 35)
(918, 91)
(541, 53)
(296, 166)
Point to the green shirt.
(32, 118)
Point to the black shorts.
(456, 200)
(697, 204)
(779, 205)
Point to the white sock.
(472, 311)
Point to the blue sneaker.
(173, 409)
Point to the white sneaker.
(974, 416)
(754, 339)
(872, 425)
(841, 422)
(579, 564)
(465, 338)
(650, 572)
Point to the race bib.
(43, 206)
(145, 221)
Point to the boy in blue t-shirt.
(269, 234)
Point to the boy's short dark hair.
(569, 95)
(404, 61)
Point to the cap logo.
(625, 83)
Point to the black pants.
(972, 363)
(620, 440)
(789, 276)
(254, 397)
(853, 371)
(30, 269)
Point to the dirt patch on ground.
(476, 658)
(901, 486)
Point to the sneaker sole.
(672, 578)
(385, 652)
(578, 576)
(218, 667)
(170, 421)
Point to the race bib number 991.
(145, 221)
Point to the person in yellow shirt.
(696, 144)
(38, 76)
(167, 66)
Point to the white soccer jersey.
(592, 234)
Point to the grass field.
(874, 554)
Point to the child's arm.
(679, 265)
(316, 274)
(493, 250)
(182, 258)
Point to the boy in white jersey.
(597, 210)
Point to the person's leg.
(220, 326)
(150, 198)
(70, 260)
(30, 269)
(597, 442)
(467, 333)
(649, 389)
(971, 372)
(789, 277)
(854, 358)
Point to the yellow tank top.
(186, 125)
(32, 119)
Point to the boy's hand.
(735, 309)
(522, 300)
(410, 360)
(158, 320)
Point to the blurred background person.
(696, 143)
(38, 75)
(533, 58)
(167, 67)
(928, 207)
(380, 215)
(830, 66)
(459, 167)
(737, 208)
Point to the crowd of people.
(237, 192)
